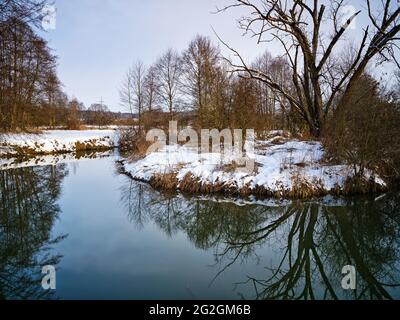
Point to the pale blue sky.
(97, 40)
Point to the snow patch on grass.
(281, 166)
(57, 141)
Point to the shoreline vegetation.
(56, 142)
(285, 168)
(338, 100)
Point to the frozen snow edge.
(56, 142)
(287, 168)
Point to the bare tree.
(200, 63)
(99, 114)
(75, 108)
(28, 77)
(151, 90)
(30, 90)
(169, 72)
(132, 93)
(27, 11)
(297, 26)
(272, 105)
(126, 93)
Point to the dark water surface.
(112, 238)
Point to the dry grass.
(167, 181)
(303, 189)
(33, 131)
(360, 185)
(79, 127)
(301, 164)
(140, 149)
(278, 140)
(230, 167)
(30, 130)
(25, 151)
(191, 184)
(133, 142)
(90, 145)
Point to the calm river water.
(113, 238)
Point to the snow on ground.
(280, 164)
(56, 141)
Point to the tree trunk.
(315, 129)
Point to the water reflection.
(293, 250)
(51, 159)
(28, 211)
(311, 242)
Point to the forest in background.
(31, 93)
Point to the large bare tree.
(200, 63)
(30, 91)
(132, 92)
(28, 11)
(169, 71)
(151, 90)
(311, 35)
(28, 77)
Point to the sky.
(96, 41)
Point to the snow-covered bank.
(57, 141)
(283, 168)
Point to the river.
(113, 238)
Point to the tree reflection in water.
(28, 211)
(313, 241)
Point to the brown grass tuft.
(166, 181)
(360, 185)
(90, 145)
(302, 189)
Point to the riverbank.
(284, 168)
(56, 142)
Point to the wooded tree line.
(324, 84)
(199, 83)
(325, 64)
(299, 90)
(31, 93)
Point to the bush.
(133, 141)
(365, 133)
